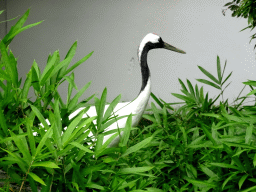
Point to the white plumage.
(138, 105)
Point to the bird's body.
(138, 105)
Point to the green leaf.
(22, 145)
(208, 83)
(229, 178)
(78, 145)
(40, 117)
(48, 164)
(224, 165)
(182, 85)
(111, 108)
(208, 134)
(227, 4)
(100, 108)
(135, 170)
(3, 122)
(48, 68)
(71, 53)
(156, 100)
(127, 130)
(31, 139)
(72, 104)
(22, 29)
(78, 63)
(156, 114)
(26, 85)
(242, 179)
(201, 183)
(16, 27)
(43, 140)
(22, 164)
(66, 135)
(182, 97)
(209, 75)
(248, 135)
(138, 146)
(208, 172)
(219, 69)
(36, 178)
(191, 89)
(227, 78)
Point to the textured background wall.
(114, 29)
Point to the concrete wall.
(114, 29)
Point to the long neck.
(144, 68)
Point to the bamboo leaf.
(22, 29)
(208, 83)
(135, 170)
(36, 178)
(48, 68)
(184, 98)
(26, 86)
(78, 63)
(43, 140)
(100, 108)
(111, 107)
(71, 53)
(72, 104)
(209, 75)
(66, 135)
(182, 85)
(219, 69)
(78, 145)
(40, 117)
(241, 181)
(127, 130)
(227, 78)
(191, 88)
(48, 164)
(156, 100)
(137, 146)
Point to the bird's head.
(153, 41)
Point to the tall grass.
(199, 147)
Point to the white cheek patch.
(148, 38)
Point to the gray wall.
(114, 29)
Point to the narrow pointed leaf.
(219, 69)
(74, 100)
(208, 83)
(127, 130)
(208, 74)
(227, 78)
(135, 170)
(191, 89)
(48, 164)
(184, 98)
(137, 146)
(36, 178)
(182, 85)
(78, 145)
(78, 63)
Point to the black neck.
(144, 68)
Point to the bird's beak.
(172, 48)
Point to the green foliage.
(246, 9)
(199, 147)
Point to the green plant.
(246, 9)
(59, 159)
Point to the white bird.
(138, 105)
